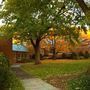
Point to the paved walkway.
(30, 82)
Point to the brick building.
(6, 48)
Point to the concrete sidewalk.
(30, 82)
(37, 84)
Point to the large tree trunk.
(36, 46)
(37, 53)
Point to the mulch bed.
(60, 81)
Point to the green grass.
(45, 70)
(15, 83)
(82, 82)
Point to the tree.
(85, 8)
(32, 19)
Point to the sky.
(87, 2)
(1, 20)
(0, 1)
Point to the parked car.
(67, 55)
(59, 55)
(70, 55)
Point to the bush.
(15, 83)
(80, 83)
(8, 80)
(4, 76)
(63, 55)
(81, 55)
(86, 55)
(74, 56)
(4, 60)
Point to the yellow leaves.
(83, 35)
(16, 41)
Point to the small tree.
(33, 18)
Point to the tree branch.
(82, 4)
(32, 42)
(44, 36)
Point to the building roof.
(19, 48)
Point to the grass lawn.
(56, 67)
(57, 72)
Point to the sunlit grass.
(56, 67)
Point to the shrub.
(63, 55)
(80, 83)
(4, 60)
(86, 55)
(81, 55)
(4, 76)
(8, 80)
(15, 83)
(74, 56)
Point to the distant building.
(19, 52)
(83, 47)
(15, 53)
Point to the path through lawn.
(53, 70)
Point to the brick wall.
(6, 48)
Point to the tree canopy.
(32, 19)
(37, 16)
